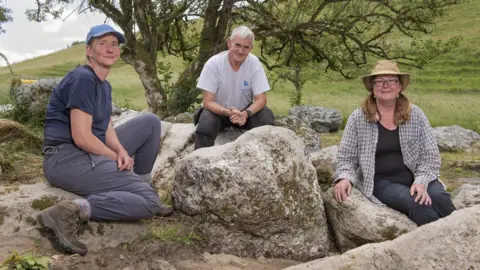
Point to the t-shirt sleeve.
(81, 95)
(259, 80)
(208, 80)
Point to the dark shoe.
(64, 220)
(164, 210)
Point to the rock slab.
(449, 243)
(19, 209)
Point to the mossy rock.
(45, 202)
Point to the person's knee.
(264, 117)
(152, 120)
(208, 123)
(151, 197)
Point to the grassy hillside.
(447, 89)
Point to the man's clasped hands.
(236, 116)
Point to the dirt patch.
(142, 255)
(169, 240)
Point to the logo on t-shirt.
(245, 87)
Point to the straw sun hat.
(386, 67)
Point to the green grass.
(447, 89)
(170, 233)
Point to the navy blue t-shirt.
(81, 89)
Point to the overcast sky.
(24, 39)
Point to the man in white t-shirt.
(234, 85)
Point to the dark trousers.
(210, 124)
(112, 194)
(397, 196)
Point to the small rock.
(358, 221)
(122, 257)
(116, 110)
(322, 120)
(101, 262)
(455, 138)
(466, 196)
(6, 108)
(161, 265)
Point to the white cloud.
(52, 26)
(14, 57)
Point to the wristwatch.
(249, 113)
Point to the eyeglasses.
(380, 83)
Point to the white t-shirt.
(233, 88)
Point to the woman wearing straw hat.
(388, 151)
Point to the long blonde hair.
(402, 109)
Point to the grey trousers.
(210, 124)
(113, 195)
(397, 196)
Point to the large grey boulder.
(19, 209)
(255, 196)
(322, 120)
(449, 243)
(358, 221)
(310, 138)
(456, 138)
(177, 143)
(33, 98)
(466, 196)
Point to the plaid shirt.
(356, 154)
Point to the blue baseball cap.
(103, 29)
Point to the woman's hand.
(342, 190)
(422, 194)
(124, 161)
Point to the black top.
(389, 160)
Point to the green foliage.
(26, 261)
(4, 16)
(296, 98)
(124, 103)
(166, 73)
(22, 115)
(77, 42)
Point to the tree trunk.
(8, 64)
(146, 70)
(212, 41)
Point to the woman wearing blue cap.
(85, 155)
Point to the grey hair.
(242, 32)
